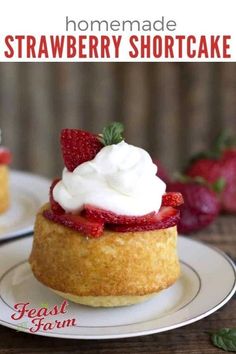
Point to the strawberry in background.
(5, 156)
(218, 163)
(201, 203)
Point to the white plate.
(28, 193)
(207, 283)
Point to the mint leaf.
(225, 339)
(112, 134)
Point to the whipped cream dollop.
(121, 178)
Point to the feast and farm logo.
(40, 319)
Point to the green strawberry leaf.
(210, 154)
(112, 134)
(225, 339)
(219, 185)
(180, 177)
(222, 142)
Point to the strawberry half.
(166, 217)
(5, 156)
(173, 199)
(78, 146)
(76, 222)
(106, 216)
(54, 205)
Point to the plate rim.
(147, 331)
(27, 229)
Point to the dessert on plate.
(5, 159)
(108, 235)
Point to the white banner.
(80, 31)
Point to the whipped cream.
(121, 178)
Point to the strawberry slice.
(166, 217)
(173, 199)
(106, 216)
(76, 222)
(5, 156)
(78, 146)
(54, 205)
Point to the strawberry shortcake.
(108, 235)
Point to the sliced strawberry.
(5, 156)
(166, 217)
(173, 199)
(54, 205)
(106, 216)
(78, 146)
(76, 222)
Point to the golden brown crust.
(4, 190)
(132, 263)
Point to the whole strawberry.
(219, 163)
(201, 205)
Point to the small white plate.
(207, 282)
(28, 192)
